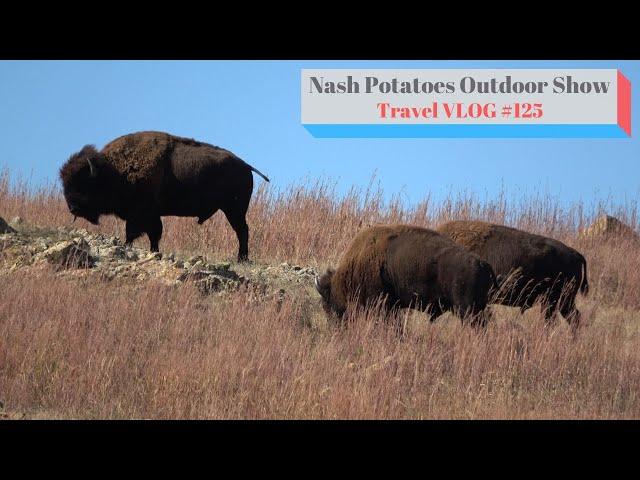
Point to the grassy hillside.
(125, 339)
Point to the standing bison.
(409, 267)
(143, 176)
(528, 266)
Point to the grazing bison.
(409, 267)
(528, 266)
(143, 176)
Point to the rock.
(195, 259)
(151, 256)
(69, 254)
(305, 271)
(111, 259)
(209, 281)
(212, 283)
(220, 267)
(4, 227)
(113, 241)
(198, 265)
(606, 226)
(201, 274)
(131, 255)
(120, 269)
(116, 252)
(178, 264)
(43, 243)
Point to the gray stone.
(153, 256)
(115, 251)
(209, 281)
(69, 254)
(198, 265)
(219, 267)
(131, 255)
(607, 226)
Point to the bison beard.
(409, 267)
(529, 267)
(143, 176)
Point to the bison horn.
(317, 284)
(91, 167)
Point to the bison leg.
(239, 225)
(571, 314)
(550, 310)
(154, 232)
(204, 217)
(134, 229)
(152, 227)
(549, 305)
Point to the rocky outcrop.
(77, 253)
(606, 226)
(69, 254)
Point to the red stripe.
(624, 103)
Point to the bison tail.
(584, 286)
(258, 172)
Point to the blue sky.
(50, 109)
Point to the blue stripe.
(465, 131)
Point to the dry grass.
(80, 349)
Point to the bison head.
(84, 182)
(323, 286)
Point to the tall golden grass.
(90, 349)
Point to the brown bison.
(409, 267)
(529, 267)
(143, 176)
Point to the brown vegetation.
(77, 347)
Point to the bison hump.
(471, 235)
(139, 156)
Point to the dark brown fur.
(529, 267)
(143, 176)
(409, 267)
